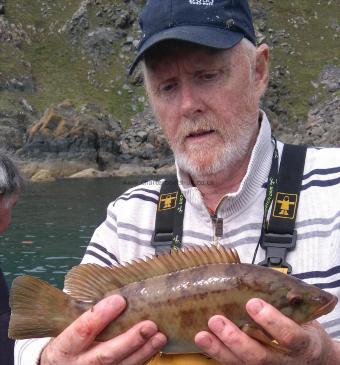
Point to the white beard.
(211, 159)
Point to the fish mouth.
(325, 309)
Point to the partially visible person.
(11, 184)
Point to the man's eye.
(209, 76)
(168, 87)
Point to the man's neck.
(214, 187)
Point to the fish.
(179, 291)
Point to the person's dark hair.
(11, 180)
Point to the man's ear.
(262, 68)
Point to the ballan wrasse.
(179, 291)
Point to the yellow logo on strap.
(167, 201)
(285, 205)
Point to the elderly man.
(205, 77)
(11, 184)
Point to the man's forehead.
(169, 50)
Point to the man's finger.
(129, 344)
(82, 332)
(215, 349)
(241, 346)
(283, 329)
(150, 349)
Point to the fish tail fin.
(37, 309)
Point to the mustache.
(189, 127)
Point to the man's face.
(6, 206)
(206, 102)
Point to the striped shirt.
(127, 232)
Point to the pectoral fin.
(264, 338)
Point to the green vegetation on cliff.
(304, 35)
(59, 69)
(310, 40)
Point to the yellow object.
(285, 205)
(284, 270)
(187, 359)
(167, 201)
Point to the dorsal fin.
(91, 282)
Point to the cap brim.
(202, 35)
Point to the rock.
(329, 77)
(132, 169)
(142, 135)
(323, 124)
(115, 20)
(90, 108)
(66, 104)
(90, 173)
(144, 139)
(65, 134)
(125, 157)
(57, 168)
(27, 106)
(77, 26)
(333, 86)
(313, 99)
(260, 37)
(121, 17)
(42, 176)
(99, 43)
(13, 34)
(22, 83)
(167, 170)
(124, 20)
(13, 130)
(335, 25)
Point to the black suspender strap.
(169, 217)
(279, 235)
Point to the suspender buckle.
(162, 242)
(277, 246)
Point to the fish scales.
(182, 302)
(203, 282)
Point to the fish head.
(304, 303)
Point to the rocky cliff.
(66, 103)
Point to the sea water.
(53, 223)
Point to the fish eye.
(296, 301)
(295, 298)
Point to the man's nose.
(191, 101)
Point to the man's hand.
(75, 345)
(307, 344)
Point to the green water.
(53, 223)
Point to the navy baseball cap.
(213, 23)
